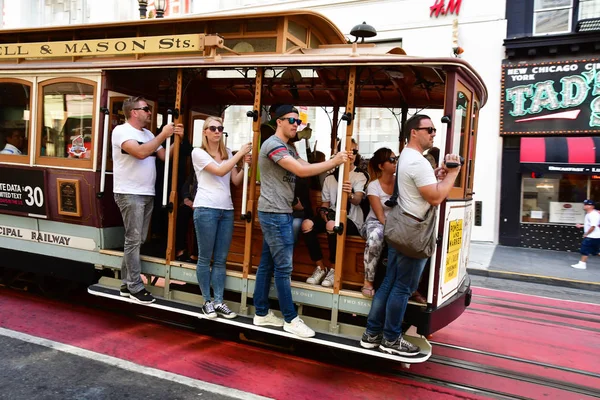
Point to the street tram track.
(499, 301)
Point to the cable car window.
(67, 119)
(297, 30)
(461, 126)
(15, 120)
(65, 124)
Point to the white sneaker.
(298, 328)
(267, 320)
(328, 281)
(579, 265)
(316, 277)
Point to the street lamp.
(160, 8)
(143, 8)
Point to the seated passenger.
(215, 168)
(306, 221)
(14, 142)
(382, 168)
(355, 187)
(433, 155)
(185, 213)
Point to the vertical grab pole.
(343, 198)
(245, 191)
(104, 152)
(251, 195)
(338, 207)
(167, 160)
(173, 202)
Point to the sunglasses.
(292, 120)
(215, 128)
(145, 108)
(393, 160)
(429, 129)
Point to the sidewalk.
(533, 265)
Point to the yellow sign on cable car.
(104, 47)
(454, 245)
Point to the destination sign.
(554, 97)
(105, 47)
(23, 191)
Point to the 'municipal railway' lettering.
(5, 231)
(50, 238)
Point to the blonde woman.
(215, 168)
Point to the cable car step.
(244, 321)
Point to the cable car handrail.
(167, 160)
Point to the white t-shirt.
(375, 189)
(329, 193)
(132, 175)
(10, 149)
(414, 171)
(213, 191)
(592, 219)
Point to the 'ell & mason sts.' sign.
(105, 47)
(552, 97)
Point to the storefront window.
(552, 16)
(556, 199)
(14, 120)
(589, 9)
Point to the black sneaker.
(209, 310)
(399, 347)
(224, 311)
(371, 341)
(143, 296)
(124, 292)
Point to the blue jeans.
(214, 228)
(136, 211)
(390, 301)
(276, 260)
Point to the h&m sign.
(440, 8)
(553, 97)
(105, 47)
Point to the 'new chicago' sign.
(554, 97)
(108, 47)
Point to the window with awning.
(572, 155)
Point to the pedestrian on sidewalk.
(591, 234)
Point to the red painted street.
(505, 343)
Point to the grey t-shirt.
(276, 183)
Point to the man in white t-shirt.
(591, 234)
(134, 150)
(14, 143)
(420, 187)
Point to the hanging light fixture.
(143, 8)
(160, 8)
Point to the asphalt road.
(33, 371)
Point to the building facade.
(550, 121)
